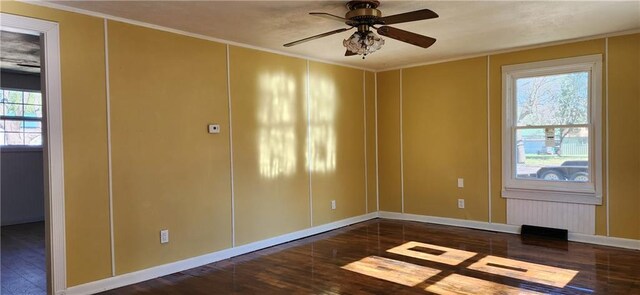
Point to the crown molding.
(515, 49)
(183, 33)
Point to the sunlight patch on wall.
(433, 253)
(277, 117)
(394, 271)
(459, 284)
(321, 154)
(532, 272)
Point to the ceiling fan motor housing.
(363, 14)
(351, 5)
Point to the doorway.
(31, 158)
(21, 165)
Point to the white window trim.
(567, 192)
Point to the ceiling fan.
(364, 16)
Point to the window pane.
(13, 109)
(553, 100)
(33, 139)
(33, 98)
(14, 138)
(552, 154)
(32, 127)
(13, 96)
(33, 111)
(13, 125)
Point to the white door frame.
(53, 154)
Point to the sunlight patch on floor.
(433, 253)
(449, 281)
(392, 270)
(532, 272)
(459, 284)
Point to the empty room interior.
(320, 147)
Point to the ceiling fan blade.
(329, 16)
(405, 36)
(316, 37)
(409, 16)
(349, 53)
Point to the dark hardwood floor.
(396, 257)
(22, 258)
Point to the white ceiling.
(464, 27)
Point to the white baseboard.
(512, 229)
(499, 227)
(605, 241)
(166, 269)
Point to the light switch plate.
(164, 236)
(460, 182)
(214, 128)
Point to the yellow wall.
(268, 94)
(390, 192)
(432, 95)
(85, 140)
(337, 142)
(624, 135)
(168, 172)
(444, 129)
(370, 110)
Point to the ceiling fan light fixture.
(363, 43)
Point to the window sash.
(586, 186)
(22, 118)
(552, 126)
(552, 72)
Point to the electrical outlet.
(460, 182)
(214, 128)
(333, 204)
(460, 203)
(164, 236)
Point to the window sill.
(589, 198)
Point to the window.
(20, 118)
(551, 130)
